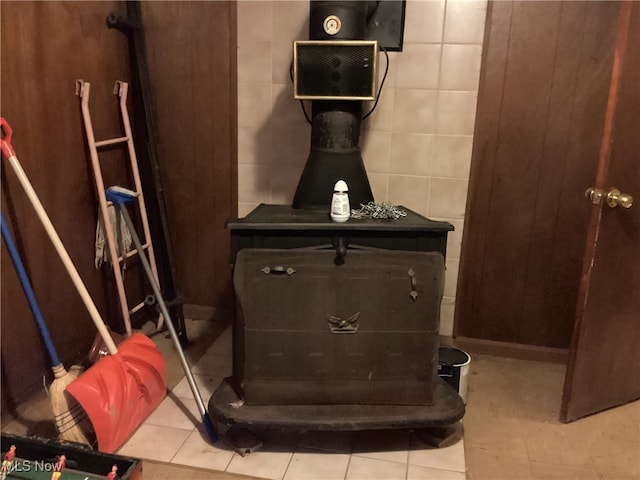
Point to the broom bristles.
(71, 420)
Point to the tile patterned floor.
(169, 435)
(511, 431)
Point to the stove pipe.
(335, 124)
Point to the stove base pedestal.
(226, 408)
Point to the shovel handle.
(28, 290)
(10, 154)
(5, 143)
(206, 420)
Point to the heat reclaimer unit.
(336, 69)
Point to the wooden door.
(541, 108)
(604, 362)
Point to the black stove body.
(336, 324)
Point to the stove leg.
(242, 440)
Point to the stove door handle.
(412, 276)
(278, 270)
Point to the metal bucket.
(453, 368)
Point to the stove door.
(309, 331)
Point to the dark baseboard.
(512, 350)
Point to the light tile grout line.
(295, 449)
(346, 472)
(226, 468)
(180, 447)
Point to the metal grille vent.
(331, 70)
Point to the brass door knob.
(615, 198)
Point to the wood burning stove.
(337, 323)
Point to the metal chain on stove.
(378, 210)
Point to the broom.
(68, 413)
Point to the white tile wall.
(254, 145)
(254, 184)
(464, 22)
(460, 69)
(416, 145)
(414, 111)
(411, 153)
(448, 197)
(424, 21)
(382, 117)
(254, 61)
(254, 104)
(376, 151)
(418, 66)
(255, 20)
(451, 154)
(412, 191)
(456, 112)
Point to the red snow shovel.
(122, 389)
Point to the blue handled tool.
(120, 198)
(67, 412)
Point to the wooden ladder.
(121, 89)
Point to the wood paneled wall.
(191, 47)
(46, 46)
(543, 92)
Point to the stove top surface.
(285, 217)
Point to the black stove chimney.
(335, 124)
